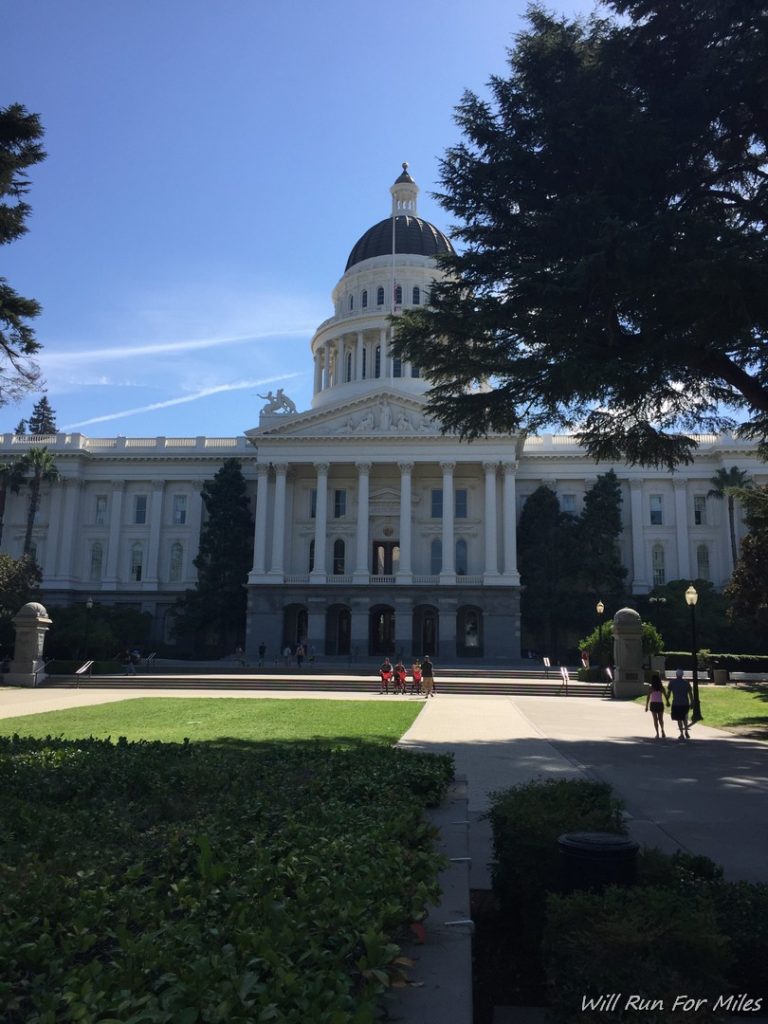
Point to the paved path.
(707, 796)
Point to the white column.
(448, 571)
(340, 368)
(361, 572)
(70, 526)
(111, 576)
(155, 523)
(639, 568)
(385, 368)
(491, 543)
(318, 382)
(260, 526)
(681, 530)
(404, 573)
(509, 523)
(278, 521)
(319, 574)
(326, 365)
(359, 357)
(58, 491)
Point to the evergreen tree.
(20, 134)
(214, 612)
(21, 428)
(600, 569)
(43, 418)
(11, 478)
(611, 200)
(747, 590)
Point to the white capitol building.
(373, 531)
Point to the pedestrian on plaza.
(428, 677)
(655, 703)
(385, 674)
(262, 653)
(400, 676)
(682, 698)
(287, 653)
(416, 677)
(300, 655)
(129, 665)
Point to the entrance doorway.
(381, 630)
(425, 632)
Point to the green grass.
(729, 707)
(172, 719)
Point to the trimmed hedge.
(709, 659)
(149, 883)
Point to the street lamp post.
(691, 597)
(88, 607)
(600, 609)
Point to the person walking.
(400, 677)
(385, 674)
(262, 653)
(416, 677)
(300, 655)
(428, 677)
(682, 698)
(655, 703)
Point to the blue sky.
(210, 165)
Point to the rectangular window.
(100, 517)
(568, 504)
(140, 509)
(657, 510)
(437, 503)
(137, 562)
(339, 503)
(460, 503)
(312, 503)
(700, 510)
(179, 509)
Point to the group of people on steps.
(422, 677)
(678, 696)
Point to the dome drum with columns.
(374, 532)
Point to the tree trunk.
(732, 527)
(34, 502)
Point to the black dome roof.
(412, 235)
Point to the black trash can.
(592, 860)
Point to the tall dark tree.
(726, 484)
(21, 427)
(43, 418)
(612, 269)
(747, 590)
(39, 467)
(12, 476)
(214, 612)
(20, 149)
(598, 553)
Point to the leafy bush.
(527, 821)
(148, 882)
(652, 641)
(628, 941)
(732, 662)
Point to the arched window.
(175, 562)
(377, 362)
(702, 562)
(365, 299)
(461, 557)
(97, 561)
(137, 561)
(339, 558)
(435, 556)
(657, 562)
(351, 301)
(311, 556)
(379, 296)
(398, 295)
(416, 295)
(349, 366)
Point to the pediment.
(385, 414)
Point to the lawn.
(211, 719)
(737, 708)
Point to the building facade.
(374, 532)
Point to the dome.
(413, 236)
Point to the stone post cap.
(32, 611)
(627, 617)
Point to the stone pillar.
(155, 524)
(31, 623)
(628, 679)
(318, 381)
(58, 491)
(279, 524)
(385, 368)
(260, 527)
(326, 365)
(361, 571)
(448, 569)
(338, 372)
(681, 530)
(360, 609)
(639, 568)
(359, 356)
(70, 519)
(491, 541)
(112, 575)
(404, 647)
(404, 572)
(316, 624)
(509, 514)
(319, 573)
(446, 629)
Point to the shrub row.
(680, 929)
(709, 659)
(147, 882)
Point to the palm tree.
(726, 482)
(39, 468)
(11, 479)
